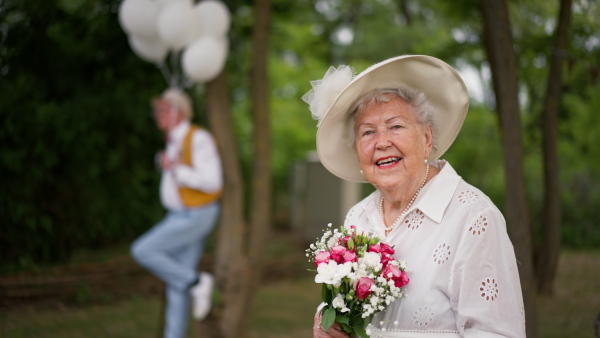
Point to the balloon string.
(187, 82)
(165, 71)
(175, 69)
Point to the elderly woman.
(388, 126)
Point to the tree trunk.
(405, 11)
(499, 47)
(240, 248)
(260, 198)
(547, 257)
(232, 225)
(260, 211)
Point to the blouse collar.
(433, 199)
(437, 193)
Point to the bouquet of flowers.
(359, 276)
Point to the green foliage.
(76, 138)
(580, 172)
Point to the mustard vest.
(191, 197)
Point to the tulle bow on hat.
(326, 90)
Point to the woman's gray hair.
(417, 99)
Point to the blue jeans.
(171, 250)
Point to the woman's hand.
(335, 331)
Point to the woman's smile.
(388, 162)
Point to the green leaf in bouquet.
(342, 319)
(374, 240)
(361, 332)
(328, 318)
(358, 321)
(347, 328)
(350, 244)
(326, 294)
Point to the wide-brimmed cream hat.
(332, 98)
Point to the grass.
(285, 309)
(572, 310)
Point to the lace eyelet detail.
(423, 316)
(479, 226)
(489, 289)
(468, 197)
(414, 219)
(441, 254)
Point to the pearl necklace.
(407, 207)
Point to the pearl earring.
(425, 161)
(361, 172)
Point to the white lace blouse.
(464, 280)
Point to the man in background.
(190, 188)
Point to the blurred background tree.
(76, 137)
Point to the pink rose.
(382, 248)
(386, 249)
(375, 248)
(350, 256)
(363, 287)
(385, 259)
(403, 280)
(392, 272)
(337, 253)
(322, 257)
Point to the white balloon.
(139, 17)
(166, 2)
(177, 24)
(151, 51)
(213, 17)
(205, 58)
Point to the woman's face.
(392, 145)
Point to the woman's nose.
(383, 140)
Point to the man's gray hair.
(417, 99)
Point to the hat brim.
(443, 86)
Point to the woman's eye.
(397, 126)
(367, 132)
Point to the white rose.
(344, 270)
(370, 259)
(326, 273)
(332, 273)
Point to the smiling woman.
(389, 126)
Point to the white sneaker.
(202, 296)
